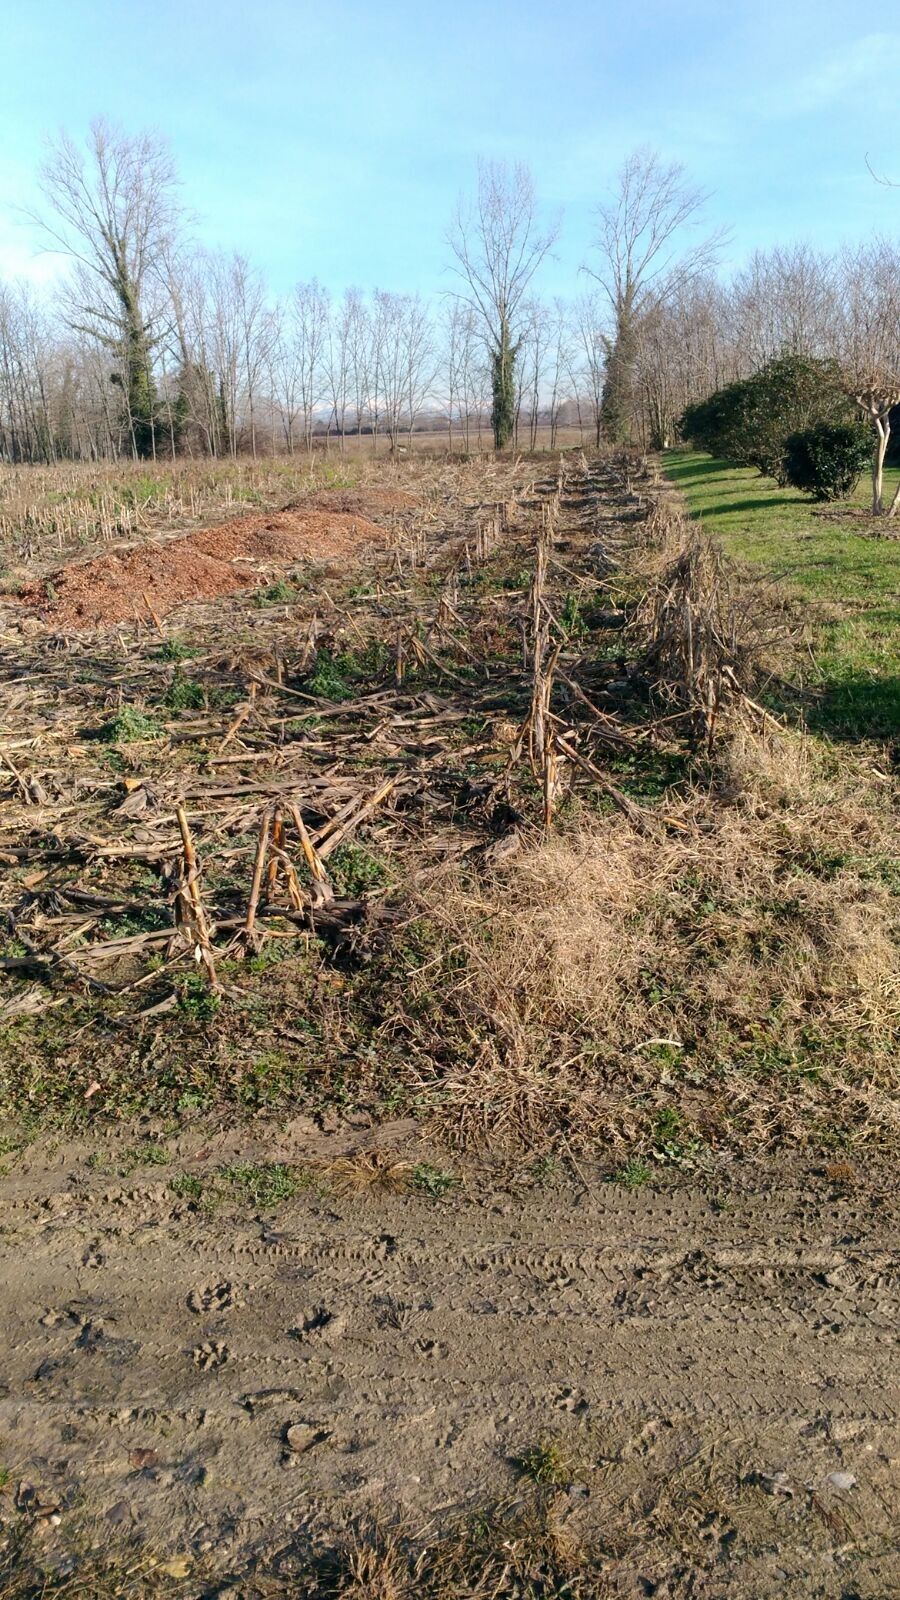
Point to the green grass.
(837, 564)
(545, 1463)
(264, 1183)
(433, 1181)
(633, 1175)
(129, 725)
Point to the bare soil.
(156, 576)
(709, 1368)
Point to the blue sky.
(333, 140)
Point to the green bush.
(826, 461)
(749, 422)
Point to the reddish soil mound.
(360, 502)
(197, 566)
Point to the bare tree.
(300, 335)
(113, 210)
(784, 300)
(870, 347)
(559, 364)
(27, 431)
(310, 315)
(455, 331)
(588, 321)
(498, 244)
(418, 358)
(685, 350)
(337, 358)
(642, 263)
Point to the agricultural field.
(448, 1031)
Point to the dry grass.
(706, 640)
(370, 1171)
(94, 1568)
(743, 968)
(48, 511)
(667, 1503)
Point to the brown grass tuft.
(745, 966)
(370, 1170)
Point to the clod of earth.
(149, 580)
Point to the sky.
(332, 141)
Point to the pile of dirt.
(158, 576)
(372, 503)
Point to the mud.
(209, 1381)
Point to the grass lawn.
(825, 556)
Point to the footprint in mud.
(93, 1255)
(571, 1400)
(210, 1355)
(215, 1297)
(431, 1348)
(55, 1317)
(299, 1437)
(318, 1323)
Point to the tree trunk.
(883, 428)
(503, 389)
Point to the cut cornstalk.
(193, 900)
(262, 847)
(322, 890)
(325, 846)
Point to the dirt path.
(682, 1346)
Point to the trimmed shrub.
(749, 422)
(826, 461)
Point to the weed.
(196, 999)
(355, 871)
(544, 1169)
(270, 1078)
(633, 1174)
(129, 726)
(174, 649)
(433, 1181)
(545, 1463)
(669, 1141)
(148, 1155)
(184, 694)
(191, 1100)
(277, 593)
(187, 1186)
(326, 680)
(264, 1183)
(571, 619)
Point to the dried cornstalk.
(341, 826)
(702, 642)
(322, 890)
(259, 865)
(191, 899)
(276, 852)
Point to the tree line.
(153, 347)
